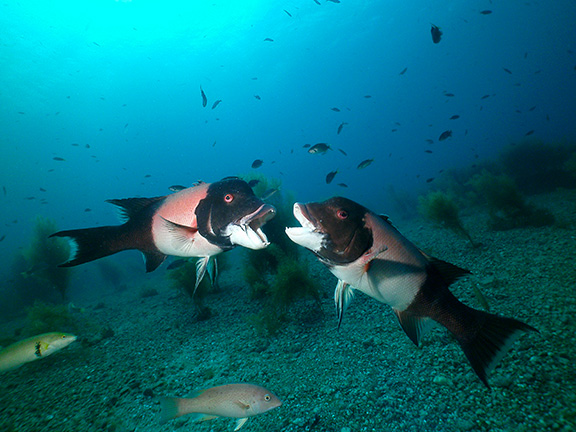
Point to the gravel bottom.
(367, 376)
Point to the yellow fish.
(34, 348)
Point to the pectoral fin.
(182, 236)
(342, 297)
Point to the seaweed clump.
(507, 206)
(441, 209)
(44, 317)
(42, 259)
(276, 275)
(538, 167)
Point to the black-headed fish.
(436, 34)
(239, 401)
(257, 163)
(445, 135)
(200, 221)
(486, 12)
(319, 148)
(335, 109)
(330, 176)
(34, 348)
(364, 163)
(204, 98)
(455, 117)
(367, 253)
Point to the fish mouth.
(247, 231)
(308, 235)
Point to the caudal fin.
(487, 345)
(90, 244)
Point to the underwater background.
(103, 99)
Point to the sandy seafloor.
(368, 376)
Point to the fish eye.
(342, 214)
(267, 398)
(228, 198)
(63, 336)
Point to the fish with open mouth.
(367, 253)
(200, 221)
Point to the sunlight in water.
(119, 20)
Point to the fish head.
(335, 230)
(232, 215)
(56, 341)
(263, 400)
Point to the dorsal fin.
(449, 272)
(131, 206)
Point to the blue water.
(124, 78)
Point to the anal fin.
(153, 260)
(414, 326)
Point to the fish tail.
(90, 244)
(488, 339)
(169, 408)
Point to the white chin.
(306, 237)
(247, 237)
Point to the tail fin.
(169, 409)
(90, 244)
(490, 341)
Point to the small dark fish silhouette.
(343, 152)
(253, 182)
(429, 141)
(257, 97)
(287, 13)
(204, 98)
(507, 70)
(268, 40)
(449, 94)
(319, 148)
(340, 127)
(306, 145)
(344, 185)
(486, 96)
(532, 108)
(269, 193)
(403, 71)
(87, 209)
(431, 179)
(4, 190)
(367, 96)
(364, 163)
(56, 158)
(436, 34)
(335, 109)
(257, 163)
(444, 135)
(530, 132)
(330, 176)
(176, 188)
(334, 1)
(427, 151)
(486, 12)
(2, 238)
(454, 117)
(215, 104)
